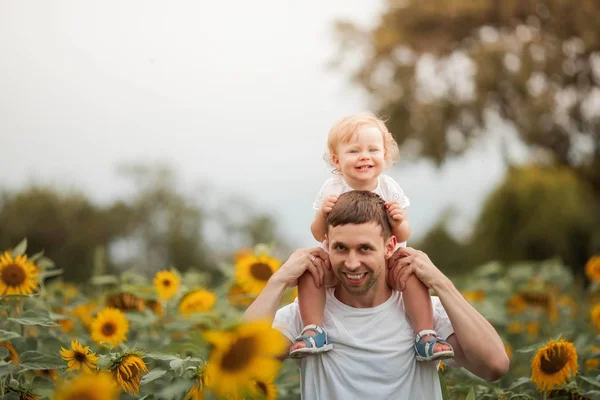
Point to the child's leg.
(311, 301)
(417, 303)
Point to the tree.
(538, 213)
(437, 68)
(67, 226)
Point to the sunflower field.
(174, 337)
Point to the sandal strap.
(425, 332)
(429, 345)
(318, 340)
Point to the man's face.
(357, 254)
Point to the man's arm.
(477, 345)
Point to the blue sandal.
(425, 350)
(314, 344)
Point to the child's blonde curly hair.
(346, 128)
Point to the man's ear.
(326, 242)
(390, 246)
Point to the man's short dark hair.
(359, 207)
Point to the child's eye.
(374, 150)
(353, 151)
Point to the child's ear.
(390, 246)
(335, 160)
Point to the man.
(373, 354)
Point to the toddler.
(360, 148)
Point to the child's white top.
(387, 188)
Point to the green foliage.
(157, 225)
(535, 214)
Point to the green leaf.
(20, 248)
(32, 318)
(521, 381)
(48, 274)
(35, 257)
(7, 368)
(152, 376)
(161, 357)
(11, 396)
(104, 280)
(34, 360)
(178, 362)
(590, 381)
(3, 353)
(42, 387)
(471, 395)
(45, 263)
(8, 335)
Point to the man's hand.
(315, 260)
(328, 204)
(407, 261)
(397, 214)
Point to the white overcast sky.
(235, 94)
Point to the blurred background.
(139, 135)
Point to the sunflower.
(128, 370)
(50, 374)
(567, 301)
(125, 302)
(253, 272)
(66, 324)
(166, 284)
(243, 253)
(79, 357)
(515, 327)
(13, 356)
(474, 296)
(85, 313)
(196, 392)
(509, 350)
(553, 364)
(515, 305)
(592, 269)
(196, 301)
(593, 362)
(88, 387)
(238, 297)
(27, 395)
(264, 390)
(17, 275)
(110, 326)
(533, 329)
(155, 307)
(595, 316)
(242, 356)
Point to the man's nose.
(352, 262)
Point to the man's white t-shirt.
(372, 356)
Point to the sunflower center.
(261, 271)
(13, 275)
(80, 357)
(555, 361)
(262, 387)
(166, 283)
(239, 355)
(108, 329)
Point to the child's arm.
(318, 227)
(399, 220)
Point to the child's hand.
(396, 213)
(328, 204)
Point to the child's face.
(361, 160)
